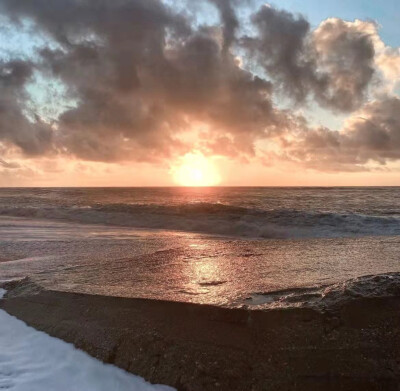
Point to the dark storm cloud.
(141, 74)
(345, 55)
(375, 133)
(280, 47)
(371, 135)
(32, 136)
(103, 48)
(229, 20)
(333, 63)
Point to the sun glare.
(195, 170)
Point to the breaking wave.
(217, 218)
(329, 296)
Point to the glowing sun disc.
(195, 170)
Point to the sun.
(194, 169)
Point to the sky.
(385, 13)
(212, 92)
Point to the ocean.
(221, 245)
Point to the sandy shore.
(355, 345)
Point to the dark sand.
(354, 345)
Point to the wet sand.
(353, 345)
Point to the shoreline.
(353, 345)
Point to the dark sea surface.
(207, 245)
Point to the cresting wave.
(329, 296)
(216, 218)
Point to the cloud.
(229, 20)
(345, 55)
(334, 63)
(32, 136)
(11, 165)
(280, 48)
(370, 137)
(141, 74)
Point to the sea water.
(216, 245)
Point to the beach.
(352, 344)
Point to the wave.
(328, 296)
(216, 218)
